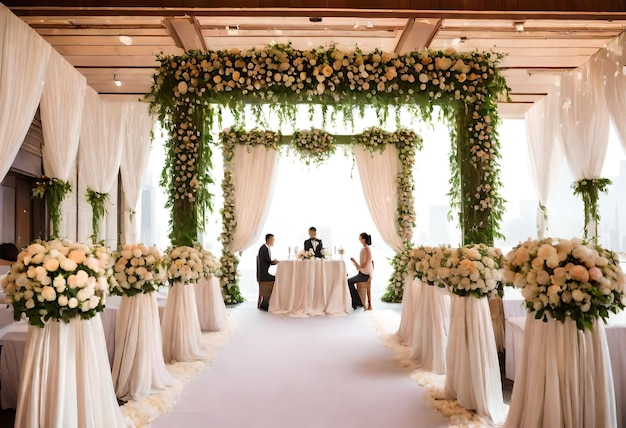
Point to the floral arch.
(191, 91)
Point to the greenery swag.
(55, 190)
(314, 145)
(589, 190)
(98, 202)
(190, 91)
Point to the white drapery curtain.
(253, 177)
(544, 149)
(62, 103)
(615, 85)
(136, 152)
(99, 152)
(378, 174)
(23, 62)
(584, 122)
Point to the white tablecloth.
(616, 339)
(69, 380)
(210, 302)
(311, 287)
(563, 377)
(410, 301)
(182, 337)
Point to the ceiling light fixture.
(127, 40)
(116, 81)
(519, 26)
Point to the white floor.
(278, 371)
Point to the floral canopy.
(191, 91)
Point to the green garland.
(237, 135)
(55, 190)
(98, 202)
(589, 190)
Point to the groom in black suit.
(313, 243)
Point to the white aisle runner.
(278, 371)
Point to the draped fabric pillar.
(136, 152)
(378, 172)
(615, 85)
(253, 177)
(100, 150)
(584, 123)
(62, 103)
(23, 63)
(544, 149)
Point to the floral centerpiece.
(306, 255)
(314, 145)
(472, 270)
(57, 280)
(184, 264)
(563, 278)
(138, 269)
(211, 265)
(426, 262)
(325, 253)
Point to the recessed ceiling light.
(519, 26)
(117, 82)
(127, 40)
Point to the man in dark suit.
(265, 260)
(313, 243)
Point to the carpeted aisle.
(318, 372)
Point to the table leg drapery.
(563, 377)
(430, 332)
(138, 367)
(210, 303)
(410, 300)
(182, 337)
(66, 378)
(473, 370)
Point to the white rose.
(48, 293)
(62, 300)
(51, 265)
(578, 295)
(37, 259)
(85, 306)
(68, 265)
(137, 252)
(94, 301)
(30, 303)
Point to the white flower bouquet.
(58, 280)
(184, 264)
(313, 145)
(473, 269)
(138, 269)
(426, 262)
(306, 255)
(211, 264)
(567, 278)
(325, 253)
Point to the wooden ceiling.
(104, 39)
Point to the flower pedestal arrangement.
(473, 369)
(211, 307)
(182, 336)
(432, 319)
(138, 367)
(430, 335)
(60, 287)
(564, 375)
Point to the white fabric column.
(23, 62)
(584, 123)
(615, 85)
(378, 172)
(544, 149)
(136, 154)
(253, 178)
(99, 152)
(61, 108)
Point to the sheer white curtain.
(378, 173)
(253, 178)
(62, 103)
(136, 153)
(99, 153)
(584, 122)
(615, 73)
(544, 149)
(23, 62)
